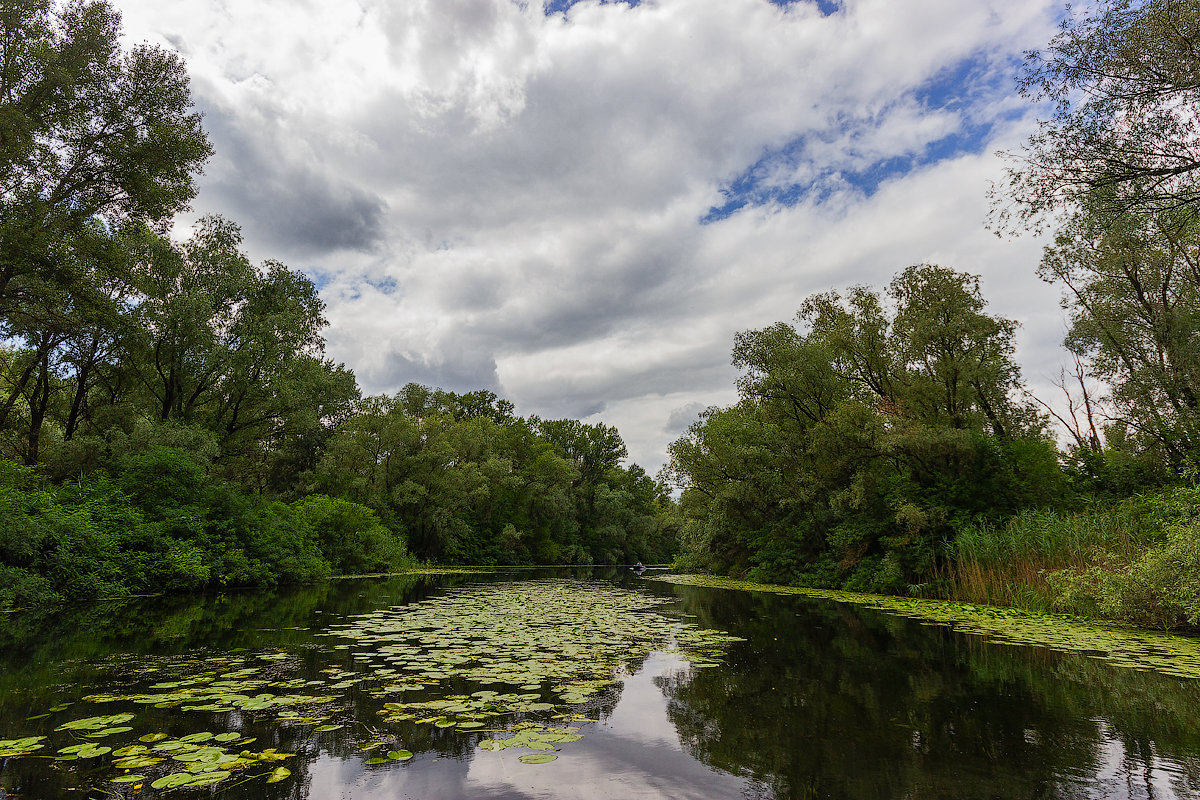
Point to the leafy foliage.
(863, 437)
(1124, 80)
(469, 482)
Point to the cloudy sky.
(577, 204)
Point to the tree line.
(168, 417)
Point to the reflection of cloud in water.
(642, 712)
(1120, 773)
(333, 778)
(634, 754)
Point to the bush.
(350, 536)
(1158, 589)
(22, 588)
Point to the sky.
(577, 205)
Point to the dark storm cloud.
(682, 418)
(288, 203)
(571, 396)
(464, 371)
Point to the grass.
(1021, 563)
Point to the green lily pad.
(96, 723)
(278, 774)
(537, 758)
(137, 762)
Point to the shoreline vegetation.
(170, 423)
(1118, 644)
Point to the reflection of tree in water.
(826, 700)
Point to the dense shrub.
(351, 537)
(164, 525)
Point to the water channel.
(591, 684)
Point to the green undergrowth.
(162, 525)
(1123, 646)
(1137, 561)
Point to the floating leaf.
(129, 779)
(96, 723)
(399, 755)
(137, 762)
(537, 758)
(19, 747)
(279, 774)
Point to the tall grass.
(1014, 564)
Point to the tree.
(237, 350)
(68, 335)
(1124, 134)
(862, 437)
(86, 130)
(1133, 290)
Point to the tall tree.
(1133, 290)
(1124, 135)
(235, 349)
(87, 130)
(862, 435)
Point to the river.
(568, 684)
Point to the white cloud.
(495, 197)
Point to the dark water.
(822, 700)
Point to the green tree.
(238, 350)
(1124, 135)
(1133, 291)
(863, 436)
(86, 130)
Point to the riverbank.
(1135, 561)
(1121, 645)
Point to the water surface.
(819, 700)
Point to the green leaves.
(103, 725)
(537, 758)
(21, 747)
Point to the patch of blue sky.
(826, 7)
(965, 90)
(552, 7)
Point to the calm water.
(821, 700)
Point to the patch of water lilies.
(1177, 656)
(540, 655)
(546, 645)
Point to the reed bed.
(1015, 564)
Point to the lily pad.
(537, 758)
(129, 779)
(278, 774)
(19, 747)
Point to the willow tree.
(1123, 136)
(865, 433)
(94, 138)
(1115, 169)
